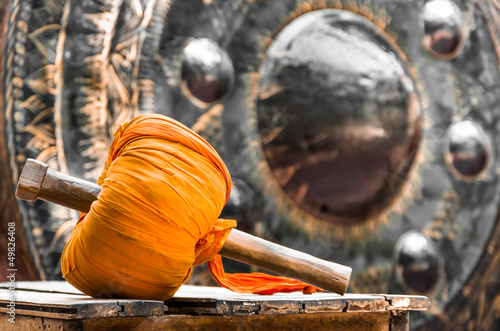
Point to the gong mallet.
(37, 181)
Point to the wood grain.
(39, 182)
(60, 294)
(58, 305)
(79, 194)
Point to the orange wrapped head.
(163, 188)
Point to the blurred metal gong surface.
(361, 101)
(337, 111)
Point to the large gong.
(362, 132)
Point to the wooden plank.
(297, 322)
(48, 299)
(218, 301)
(407, 302)
(44, 286)
(36, 323)
(76, 306)
(324, 306)
(215, 301)
(413, 302)
(57, 304)
(59, 299)
(213, 293)
(400, 320)
(38, 313)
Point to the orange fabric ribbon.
(163, 188)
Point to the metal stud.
(417, 264)
(207, 72)
(468, 150)
(444, 29)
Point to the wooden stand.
(56, 305)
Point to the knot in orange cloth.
(163, 188)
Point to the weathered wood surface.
(37, 181)
(60, 305)
(60, 293)
(354, 321)
(60, 299)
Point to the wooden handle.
(39, 182)
(284, 261)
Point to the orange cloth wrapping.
(163, 188)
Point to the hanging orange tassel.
(256, 282)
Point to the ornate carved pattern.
(29, 111)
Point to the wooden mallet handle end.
(37, 181)
(31, 179)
